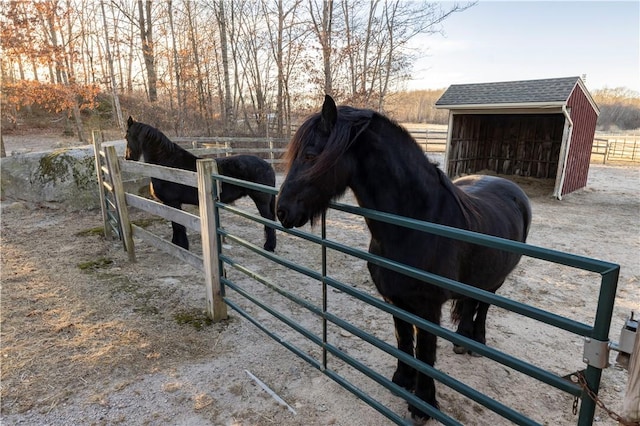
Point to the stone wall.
(64, 176)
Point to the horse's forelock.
(300, 139)
(350, 124)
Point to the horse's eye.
(309, 156)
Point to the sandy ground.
(90, 338)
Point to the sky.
(525, 40)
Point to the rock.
(66, 177)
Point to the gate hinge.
(596, 353)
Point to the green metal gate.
(595, 335)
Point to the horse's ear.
(129, 121)
(329, 114)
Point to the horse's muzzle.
(289, 218)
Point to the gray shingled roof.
(509, 92)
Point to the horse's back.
(247, 167)
(497, 202)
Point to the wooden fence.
(610, 147)
(430, 140)
(110, 170)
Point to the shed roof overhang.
(506, 107)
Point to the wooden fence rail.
(430, 140)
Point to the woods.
(224, 68)
(233, 66)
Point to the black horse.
(143, 139)
(345, 147)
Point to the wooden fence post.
(97, 150)
(631, 402)
(216, 308)
(121, 206)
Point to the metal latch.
(626, 342)
(596, 353)
(628, 335)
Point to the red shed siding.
(584, 126)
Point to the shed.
(538, 128)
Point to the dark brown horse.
(345, 147)
(145, 140)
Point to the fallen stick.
(270, 392)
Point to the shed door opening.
(507, 144)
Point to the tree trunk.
(146, 36)
(224, 52)
(323, 32)
(202, 102)
(176, 67)
(114, 86)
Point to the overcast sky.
(522, 40)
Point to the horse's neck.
(168, 154)
(403, 182)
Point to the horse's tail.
(525, 208)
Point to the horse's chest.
(395, 285)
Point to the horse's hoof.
(460, 350)
(419, 421)
(418, 416)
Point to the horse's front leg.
(179, 231)
(473, 320)
(426, 352)
(180, 236)
(404, 375)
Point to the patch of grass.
(141, 297)
(98, 230)
(146, 222)
(196, 319)
(93, 265)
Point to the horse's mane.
(151, 135)
(350, 124)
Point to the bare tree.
(176, 66)
(114, 85)
(146, 36)
(227, 100)
(321, 18)
(287, 34)
(373, 56)
(202, 103)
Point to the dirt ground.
(90, 338)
